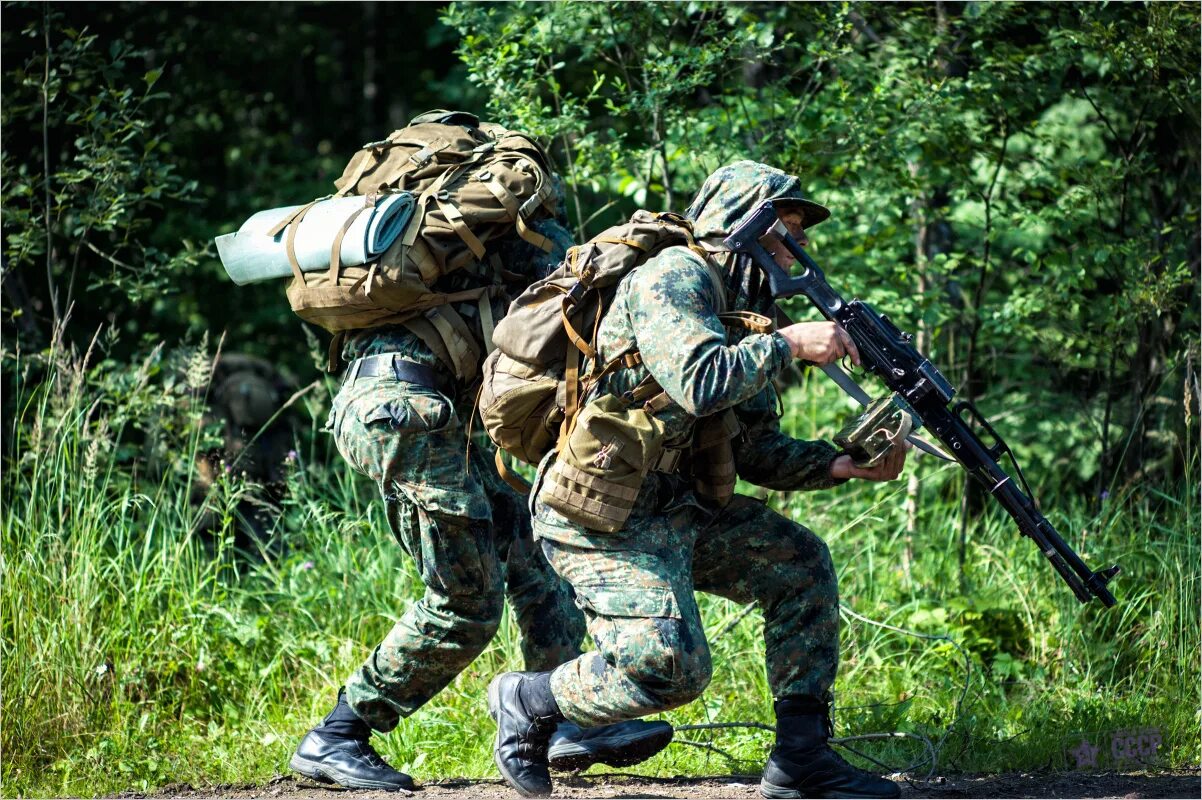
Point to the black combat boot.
(803, 764)
(526, 714)
(574, 749)
(337, 751)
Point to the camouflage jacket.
(667, 310)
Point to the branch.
(1106, 121)
(46, 164)
(297, 395)
(861, 25)
(705, 746)
(109, 258)
(598, 213)
(83, 239)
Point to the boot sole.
(494, 705)
(637, 748)
(322, 773)
(774, 792)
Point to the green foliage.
(1016, 183)
(104, 169)
(148, 654)
(252, 106)
(1000, 174)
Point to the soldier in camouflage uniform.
(637, 586)
(470, 537)
(244, 397)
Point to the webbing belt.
(393, 365)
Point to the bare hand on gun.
(887, 470)
(820, 342)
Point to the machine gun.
(886, 352)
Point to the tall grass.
(139, 653)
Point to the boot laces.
(371, 756)
(533, 746)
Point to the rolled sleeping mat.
(259, 250)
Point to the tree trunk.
(373, 112)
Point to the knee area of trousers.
(477, 615)
(477, 630)
(824, 565)
(696, 671)
(667, 662)
(810, 563)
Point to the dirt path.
(739, 787)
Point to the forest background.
(1016, 183)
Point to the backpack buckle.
(669, 460)
(575, 294)
(423, 156)
(536, 200)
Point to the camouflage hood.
(734, 191)
(725, 200)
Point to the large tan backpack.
(533, 382)
(475, 182)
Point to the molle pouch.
(879, 427)
(712, 460)
(602, 463)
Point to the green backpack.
(475, 182)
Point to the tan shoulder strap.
(716, 276)
(361, 163)
(458, 340)
(571, 406)
(515, 481)
(748, 320)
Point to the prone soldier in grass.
(708, 412)
(400, 418)
(244, 396)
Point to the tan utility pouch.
(518, 407)
(601, 467)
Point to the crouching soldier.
(709, 392)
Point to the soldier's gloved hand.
(820, 342)
(888, 470)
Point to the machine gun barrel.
(887, 352)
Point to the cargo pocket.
(382, 430)
(426, 411)
(651, 601)
(639, 632)
(597, 475)
(452, 555)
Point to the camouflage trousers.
(470, 537)
(642, 614)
